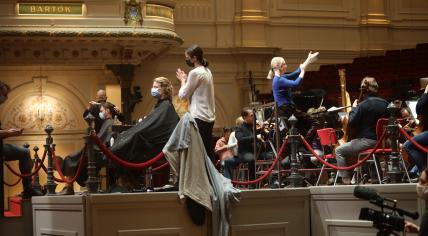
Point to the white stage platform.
(315, 211)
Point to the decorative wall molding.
(99, 36)
(33, 105)
(35, 112)
(409, 14)
(308, 11)
(93, 47)
(194, 11)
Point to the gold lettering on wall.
(73, 9)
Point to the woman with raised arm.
(282, 86)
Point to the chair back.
(327, 136)
(380, 126)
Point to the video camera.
(385, 222)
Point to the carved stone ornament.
(35, 112)
(133, 13)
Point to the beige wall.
(239, 36)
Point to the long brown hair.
(166, 87)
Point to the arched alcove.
(34, 104)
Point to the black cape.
(71, 162)
(146, 139)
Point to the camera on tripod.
(385, 222)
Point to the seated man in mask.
(146, 139)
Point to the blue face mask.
(101, 115)
(155, 92)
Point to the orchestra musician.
(417, 157)
(282, 85)
(410, 122)
(363, 118)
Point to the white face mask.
(422, 191)
(101, 115)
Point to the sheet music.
(412, 107)
(333, 108)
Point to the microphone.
(373, 196)
(368, 194)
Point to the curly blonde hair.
(166, 87)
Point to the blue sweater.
(282, 86)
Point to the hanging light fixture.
(43, 107)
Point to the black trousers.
(13, 152)
(206, 130)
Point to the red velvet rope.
(267, 172)
(46, 171)
(157, 168)
(360, 162)
(300, 170)
(122, 162)
(79, 168)
(29, 174)
(408, 137)
(14, 184)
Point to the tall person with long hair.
(198, 87)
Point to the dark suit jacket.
(244, 135)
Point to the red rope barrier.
(45, 169)
(267, 172)
(360, 162)
(122, 162)
(14, 184)
(79, 167)
(26, 175)
(160, 167)
(299, 170)
(408, 137)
